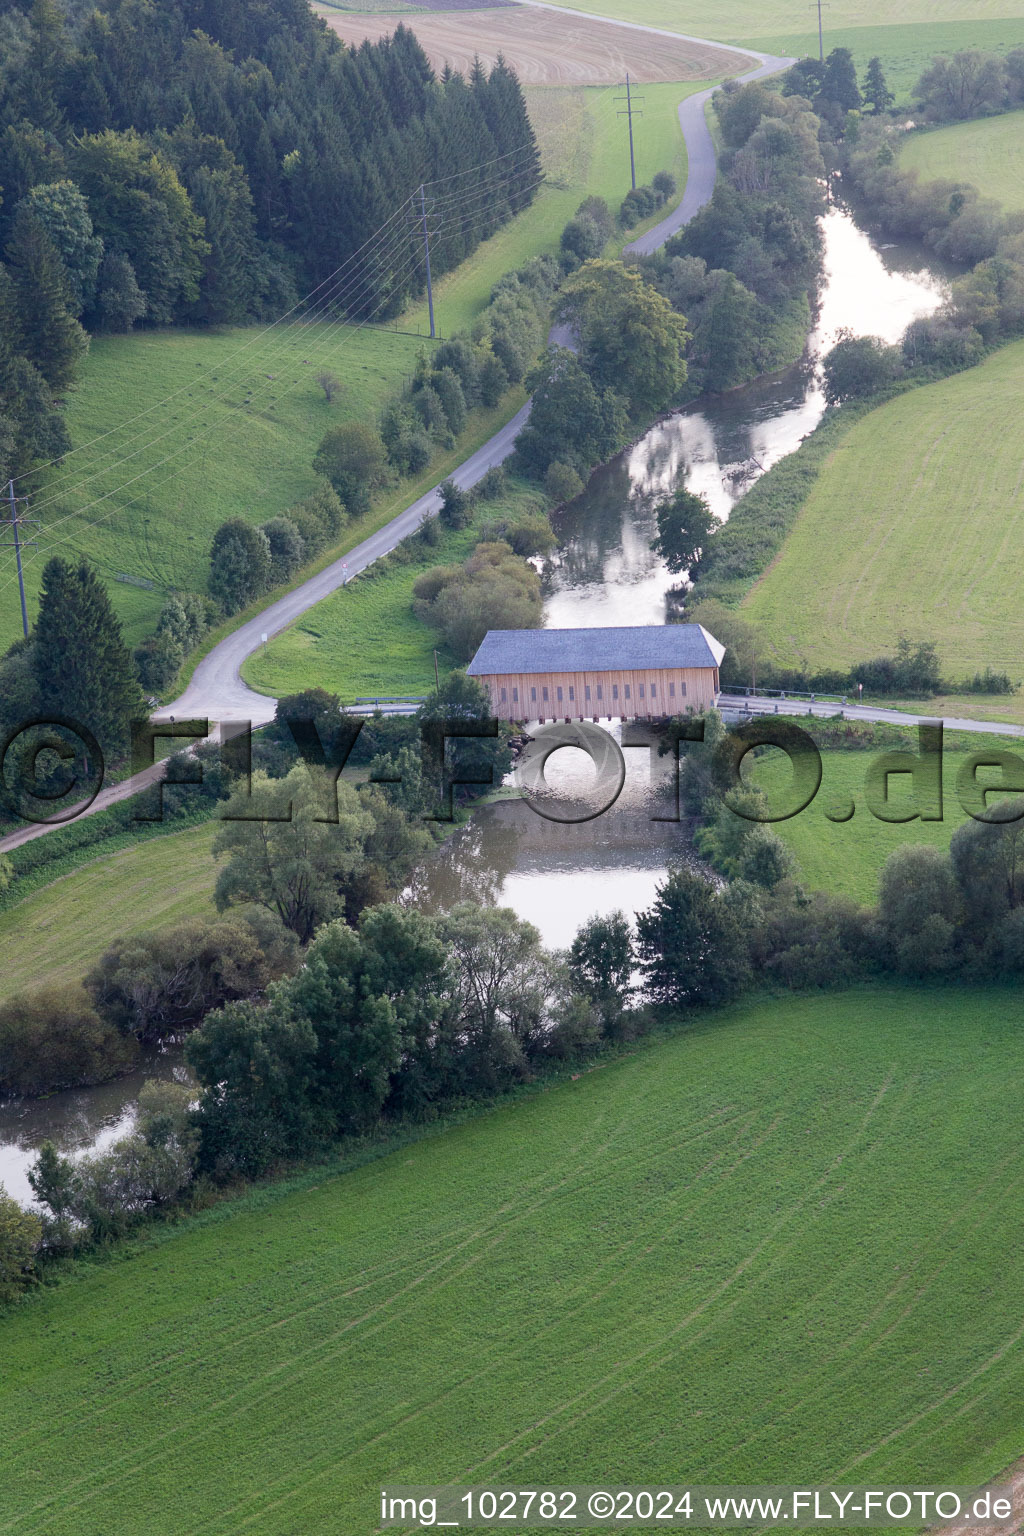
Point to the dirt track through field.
(545, 48)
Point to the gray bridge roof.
(638, 648)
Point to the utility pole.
(17, 522)
(426, 254)
(821, 37)
(437, 679)
(629, 113)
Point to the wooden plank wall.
(651, 694)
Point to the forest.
(207, 164)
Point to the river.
(604, 573)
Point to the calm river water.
(604, 573)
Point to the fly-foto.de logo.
(52, 770)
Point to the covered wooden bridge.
(640, 672)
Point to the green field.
(214, 451)
(56, 933)
(741, 21)
(787, 1246)
(988, 153)
(846, 858)
(915, 526)
(905, 51)
(906, 37)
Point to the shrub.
(936, 343)
(310, 529)
(456, 505)
(561, 482)
(184, 619)
(582, 238)
(240, 564)
(664, 183)
(53, 1038)
(530, 534)
(110, 1190)
(859, 366)
(318, 519)
(157, 661)
(458, 355)
(430, 410)
(495, 589)
(445, 382)
(353, 458)
(286, 548)
(156, 984)
(492, 378)
(406, 441)
(426, 587)
(493, 484)
(21, 1233)
(639, 203)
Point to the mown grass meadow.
(236, 438)
(847, 857)
(784, 1244)
(911, 528)
(987, 152)
(57, 932)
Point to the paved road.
(756, 705)
(216, 690)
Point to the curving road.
(217, 691)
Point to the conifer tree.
(47, 330)
(83, 667)
(876, 89)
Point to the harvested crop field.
(543, 47)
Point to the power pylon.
(16, 522)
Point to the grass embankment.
(595, 1282)
(988, 153)
(56, 933)
(914, 526)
